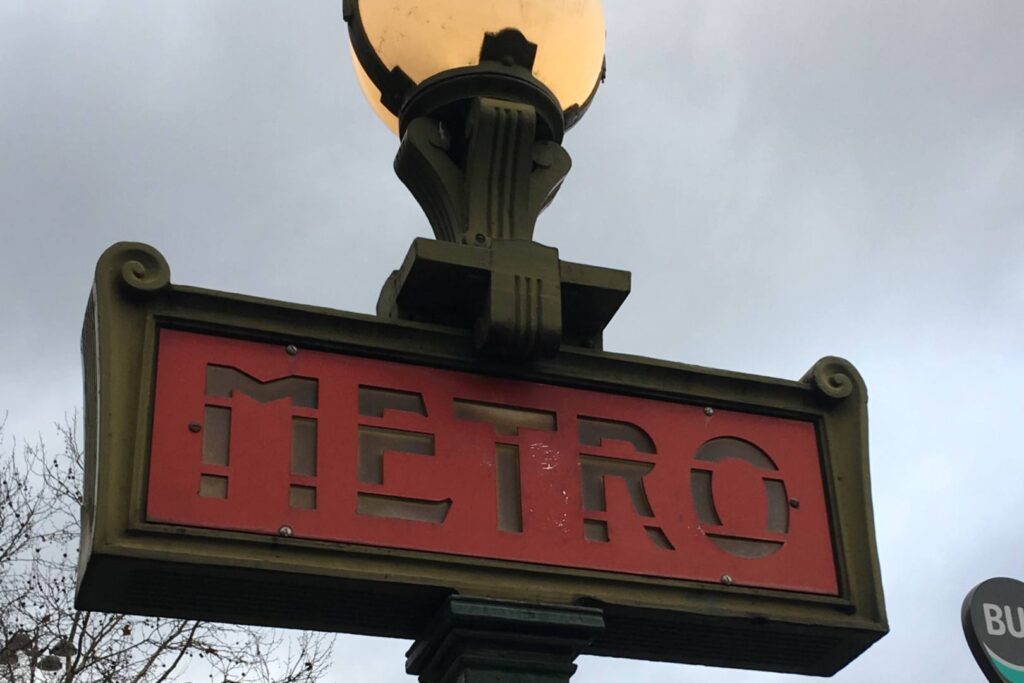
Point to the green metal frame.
(485, 641)
(127, 564)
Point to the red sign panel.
(331, 447)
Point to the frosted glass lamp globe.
(424, 38)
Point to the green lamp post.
(262, 462)
(481, 95)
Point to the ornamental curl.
(142, 269)
(835, 377)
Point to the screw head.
(194, 427)
(726, 579)
(480, 238)
(709, 411)
(285, 531)
(291, 350)
(794, 503)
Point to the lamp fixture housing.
(397, 45)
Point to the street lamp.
(471, 452)
(481, 94)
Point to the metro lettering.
(356, 450)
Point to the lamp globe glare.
(410, 41)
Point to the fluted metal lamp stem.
(492, 183)
(481, 153)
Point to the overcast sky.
(786, 180)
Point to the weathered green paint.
(482, 178)
(481, 153)
(492, 185)
(486, 641)
(517, 297)
(130, 565)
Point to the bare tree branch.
(43, 638)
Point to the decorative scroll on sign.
(330, 447)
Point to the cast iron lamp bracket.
(480, 145)
(488, 289)
(480, 153)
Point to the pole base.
(474, 640)
(471, 287)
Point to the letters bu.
(352, 450)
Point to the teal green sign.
(1011, 672)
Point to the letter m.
(225, 387)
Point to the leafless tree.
(44, 639)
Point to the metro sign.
(260, 462)
(341, 448)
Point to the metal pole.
(474, 640)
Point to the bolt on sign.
(261, 462)
(993, 622)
